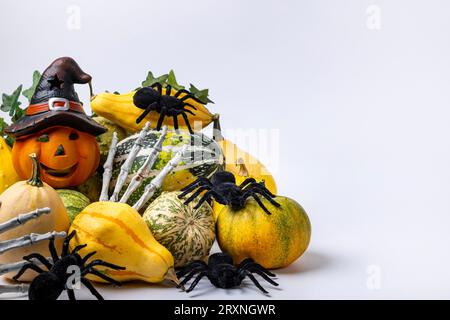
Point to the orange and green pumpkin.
(274, 241)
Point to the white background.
(362, 116)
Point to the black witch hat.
(55, 102)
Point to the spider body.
(48, 285)
(222, 186)
(152, 99)
(222, 273)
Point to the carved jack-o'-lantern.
(68, 157)
(57, 130)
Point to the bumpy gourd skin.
(274, 241)
(120, 236)
(8, 175)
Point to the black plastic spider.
(152, 99)
(222, 272)
(222, 186)
(49, 285)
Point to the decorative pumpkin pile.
(140, 185)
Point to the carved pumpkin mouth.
(59, 173)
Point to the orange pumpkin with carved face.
(68, 157)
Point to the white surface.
(363, 117)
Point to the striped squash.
(187, 233)
(74, 202)
(204, 158)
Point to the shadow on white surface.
(309, 262)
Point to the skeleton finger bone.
(107, 173)
(158, 180)
(144, 171)
(17, 288)
(6, 268)
(29, 240)
(125, 168)
(23, 218)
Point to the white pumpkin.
(187, 233)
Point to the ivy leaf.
(28, 93)
(8, 139)
(152, 80)
(17, 114)
(10, 103)
(3, 125)
(172, 81)
(201, 95)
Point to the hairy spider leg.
(264, 192)
(158, 86)
(86, 257)
(100, 275)
(192, 273)
(251, 193)
(27, 266)
(104, 264)
(161, 118)
(188, 111)
(194, 185)
(189, 105)
(249, 261)
(261, 273)
(52, 249)
(197, 280)
(191, 266)
(168, 90)
(146, 112)
(91, 288)
(175, 121)
(251, 183)
(197, 193)
(40, 258)
(251, 277)
(207, 196)
(247, 182)
(65, 248)
(78, 248)
(188, 95)
(186, 120)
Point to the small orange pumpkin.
(68, 157)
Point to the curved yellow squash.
(120, 236)
(274, 241)
(8, 175)
(120, 109)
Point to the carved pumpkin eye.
(73, 136)
(43, 138)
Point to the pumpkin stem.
(35, 179)
(217, 131)
(243, 171)
(172, 276)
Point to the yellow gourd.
(274, 240)
(8, 175)
(26, 196)
(120, 236)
